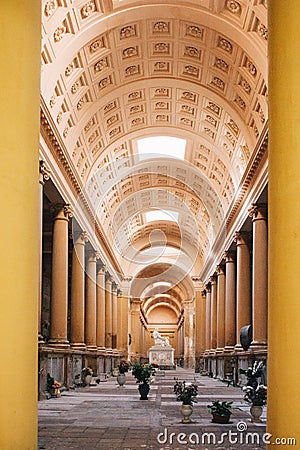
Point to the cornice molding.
(59, 155)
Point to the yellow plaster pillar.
(284, 219)
(19, 187)
(78, 292)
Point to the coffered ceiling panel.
(116, 71)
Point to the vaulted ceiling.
(117, 71)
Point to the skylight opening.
(161, 147)
(160, 214)
(162, 283)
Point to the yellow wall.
(284, 221)
(19, 119)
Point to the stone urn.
(186, 411)
(144, 389)
(121, 379)
(256, 411)
(88, 379)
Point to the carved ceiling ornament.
(100, 65)
(195, 31)
(128, 31)
(50, 7)
(221, 64)
(161, 27)
(224, 44)
(59, 33)
(129, 52)
(96, 45)
(161, 47)
(233, 6)
(88, 9)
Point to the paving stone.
(109, 418)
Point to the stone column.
(114, 316)
(260, 276)
(243, 285)
(135, 324)
(189, 334)
(208, 319)
(203, 322)
(122, 318)
(100, 309)
(230, 303)
(59, 294)
(213, 331)
(284, 218)
(198, 323)
(44, 176)
(78, 292)
(90, 304)
(220, 309)
(108, 313)
(19, 257)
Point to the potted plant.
(253, 373)
(257, 397)
(186, 393)
(255, 393)
(143, 374)
(123, 367)
(87, 374)
(221, 411)
(53, 386)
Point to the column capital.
(219, 270)
(102, 269)
(241, 237)
(114, 287)
(82, 239)
(62, 211)
(208, 288)
(258, 211)
(228, 256)
(44, 172)
(93, 256)
(212, 279)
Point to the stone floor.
(109, 417)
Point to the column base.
(59, 343)
(229, 349)
(238, 348)
(219, 350)
(40, 339)
(258, 345)
(78, 346)
(92, 348)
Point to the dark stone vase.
(144, 389)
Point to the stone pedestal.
(162, 355)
